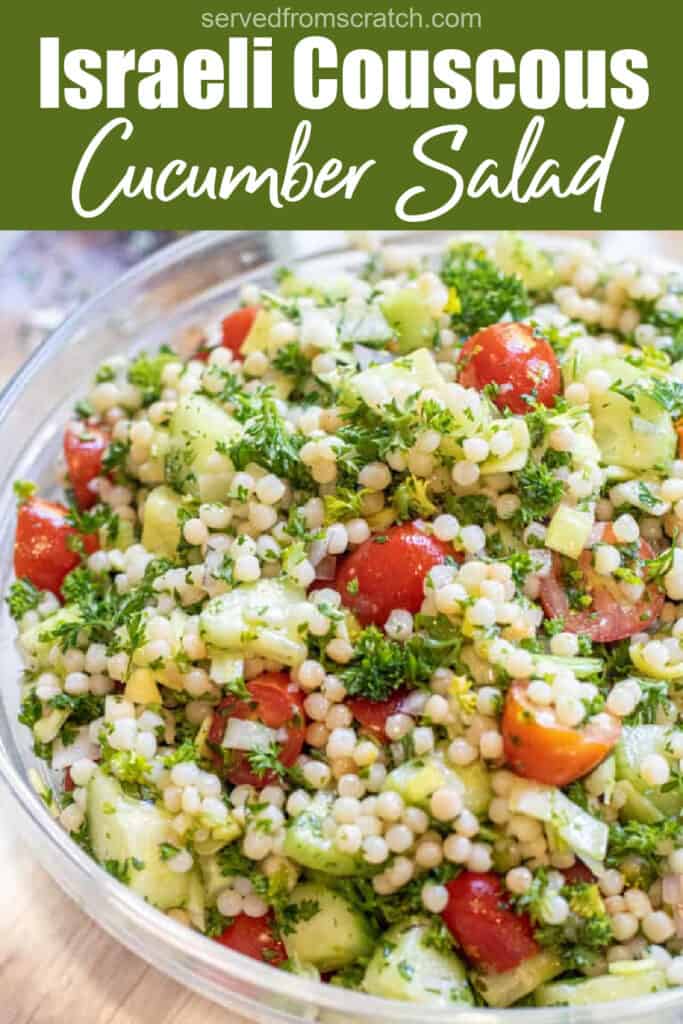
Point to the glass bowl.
(161, 300)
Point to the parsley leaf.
(22, 597)
(484, 293)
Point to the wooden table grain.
(56, 966)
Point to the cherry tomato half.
(254, 937)
(538, 747)
(490, 933)
(275, 702)
(236, 327)
(610, 616)
(373, 714)
(521, 365)
(41, 545)
(387, 571)
(84, 447)
(578, 872)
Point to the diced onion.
(242, 734)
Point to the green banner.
(250, 113)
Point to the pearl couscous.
(357, 639)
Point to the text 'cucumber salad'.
(357, 636)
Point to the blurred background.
(45, 275)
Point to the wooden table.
(56, 966)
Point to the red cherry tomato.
(41, 545)
(236, 327)
(254, 937)
(275, 702)
(578, 872)
(373, 714)
(387, 571)
(523, 367)
(538, 747)
(490, 933)
(610, 616)
(84, 447)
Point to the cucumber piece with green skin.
(637, 807)
(409, 315)
(504, 988)
(550, 665)
(323, 929)
(160, 524)
(417, 779)
(636, 435)
(125, 830)
(306, 843)
(197, 426)
(405, 967)
(238, 621)
(636, 743)
(604, 989)
(585, 835)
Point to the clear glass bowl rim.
(256, 990)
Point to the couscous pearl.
(348, 838)
(479, 858)
(416, 820)
(428, 854)
(624, 926)
(654, 769)
(462, 753)
(658, 926)
(375, 850)
(457, 849)
(435, 898)
(399, 838)
(626, 529)
(467, 824)
(389, 806)
(518, 880)
(229, 903)
(181, 863)
(82, 771)
(445, 804)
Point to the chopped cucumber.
(604, 989)
(550, 665)
(636, 806)
(197, 426)
(518, 454)
(306, 843)
(584, 834)
(636, 743)
(404, 966)
(258, 620)
(569, 530)
(31, 638)
(130, 832)
(636, 435)
(515, 255)
(401, 379)
(160, 524)
(409, 315)
(326, 930)
(260, 337)
(417, 779)
(668, 672)
(507, 987)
